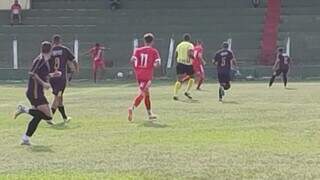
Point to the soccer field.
(257, 133)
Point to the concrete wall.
(6, 4)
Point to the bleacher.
(90, 21)
(300, 21)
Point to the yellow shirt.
(182, 50)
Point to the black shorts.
(224, 77)
(184, 69)
(58, 86)
(41, 100)
(279, 71)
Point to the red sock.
(200, 83)
(137, 100)
(147, 102)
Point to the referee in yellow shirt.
(184, 69)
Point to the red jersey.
(96, 53)
(197, 61)
(144, 60)
(16, 8)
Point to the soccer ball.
(120, 74)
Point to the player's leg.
(147, 101)
(61, 107)
(137, 100)
(178, 84)
(274, 75)
(201, 78)
(190, 73)
(285, 78)
(221, 85)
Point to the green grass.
(258, 133)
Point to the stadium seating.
(300, 21)
(90, 21)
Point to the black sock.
(271, 80)
(285, 80)
(63, 112)
(39, 115)
(220, 93)
(53, 110)
(32, 126)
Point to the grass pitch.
(258, 133)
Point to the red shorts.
(99, 64)
(144, 85)
(198, 69)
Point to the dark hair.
(148, 38)
(187, 37)
(97, 45)
(225, 45)
(45, 47)
(56, 38)
(280, 50)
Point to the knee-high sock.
(285, 79)
(62, 112)
(200, 82)
(38, 114)
(53, 110)
(32, 126)
(177, 86)
(147, 102)
(137, 100)
(190, 83)
(272, 80)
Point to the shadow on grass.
(291, 89)
(62, 126)
(153, 124)
(41, 148)
(189, 101)
(230, 102)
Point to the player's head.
(45, 47)
(148, 38)
(16, 1)
(56, 39)
(280, 50)
(186, 37)
(97, 45)
(198, 43)
(225, 45)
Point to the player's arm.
(157, 61)
(36, 77)
(75, 63)
(215, 60)
(202, 58)
(191, 53)
(276, 63)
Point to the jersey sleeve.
(135, 55)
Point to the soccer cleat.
(175, 98)
(25, 143)
(187, 95)
(152, 117)
(130, 114)
(67, 120)
(50, 122)
(20, 110)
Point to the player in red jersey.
(98, 61)
(198, 63)
(144, 59)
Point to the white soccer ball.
(120, 74)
